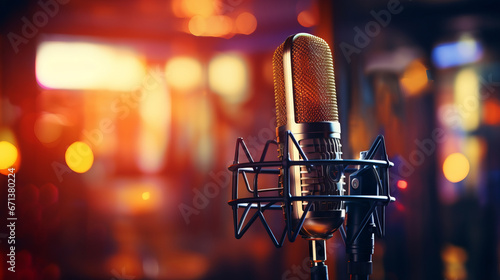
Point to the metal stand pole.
(317, 254)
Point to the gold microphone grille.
(279, 86)
(313, 80)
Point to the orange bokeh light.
(402, 184)
(211, 26)
(414, 79)
(307, 18)
(246, 23)
(491, 112)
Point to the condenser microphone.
(306, 105)
(310, 169)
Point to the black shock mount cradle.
(370, 173)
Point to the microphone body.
(306, 105)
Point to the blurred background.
(120, 118)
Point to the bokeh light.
(184, 73)
(79, 157)
(145, 195)
(456, 167)
(190, 8)
(9, 154)
(466, 50)
(402, 184)
(153, 136)
(466, 93)
(211, 26)
(414, 78)
(246, 23)
(48, 128)
(307, 18)
(228, 76)
(83, 65)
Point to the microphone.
(306, 105)
(310, 169)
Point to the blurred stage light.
(228, 77)
(145, 195)
(83, 65)
(414, 79)
(402, 184)
(184, 73)
(153, 136)
(466, 93)
(48, 128)
(79, 157)
(211, 26)
(456, 167)
(307, 18)
(464, 51)
(246, 23)
(190, 8)
(8, 154)
(454, 260)
(491, 112)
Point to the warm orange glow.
(138, 197)
(153, 135)
(307, 18)
(190, 8)
(456, 167)
(48, 128)
(246, 23)
(414, 79)
(184, 73)
(454, 260)
(402, 184)
(9, 154)
(83, 65)
(79, 157)
(211, 26)
(491, 112)
(228, 76)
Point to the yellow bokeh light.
(146, 195)
(153, 135)
(9, 154)
(84, 65)
(456, 167)
(466, 91)
(184, 73)
(228, 76)
(79, 157)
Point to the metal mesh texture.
(313, 81)
(279, 86)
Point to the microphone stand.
(317, 255)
